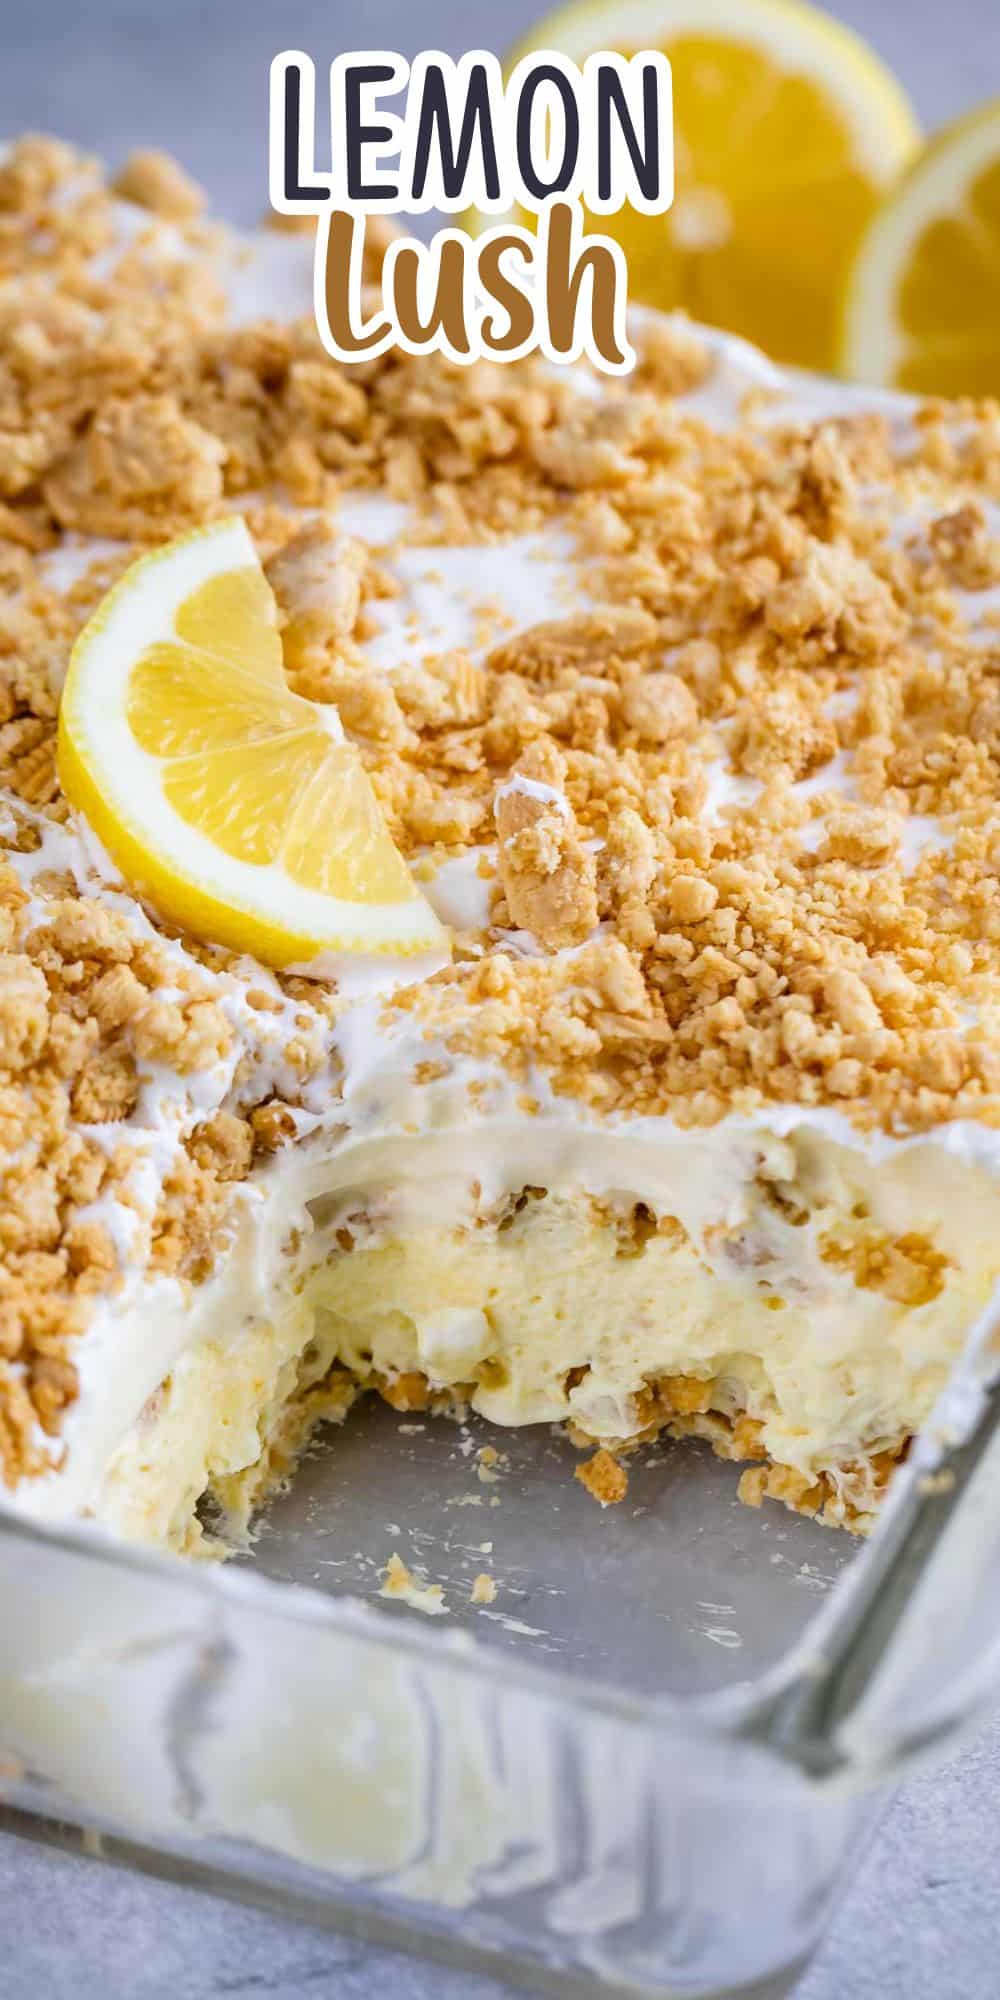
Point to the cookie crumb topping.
(737, 803)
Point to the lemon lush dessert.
(499, 885)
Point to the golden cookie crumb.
(548, 878)
(157, 181)
(605, 1479)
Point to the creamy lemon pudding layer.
(679, 698)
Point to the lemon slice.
(787, 129)
(923, 303)
(232, 805)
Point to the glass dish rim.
(747, 1715)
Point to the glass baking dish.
(642, 1768)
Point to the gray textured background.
(922, 1918)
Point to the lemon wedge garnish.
(923, 303)
(787, 129)
(233, 806)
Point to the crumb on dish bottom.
(219, 1520)
(851, 1501)
(560, 1310)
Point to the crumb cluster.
(81, 1018)
(777, 754)
(738, 806)
(114, 1040)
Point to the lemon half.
(232, 805)
(787, 130)
(923, 303)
